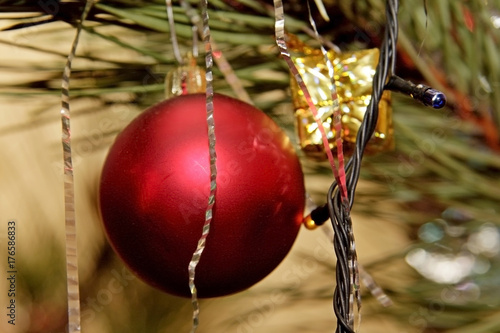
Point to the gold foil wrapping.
(185, 79)
(353, 74)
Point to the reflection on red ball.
(155, 185)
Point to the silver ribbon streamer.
(173, 35)
(72, 280)
(280, 41)
(213, 167)
(336, 112)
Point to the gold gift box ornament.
(353, 74)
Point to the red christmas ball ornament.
(154, 193)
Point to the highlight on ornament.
(155, 185)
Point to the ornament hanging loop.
(187, 77)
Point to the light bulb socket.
(425, 94)
(317, 217)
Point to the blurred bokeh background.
(426, 214)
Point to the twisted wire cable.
(339, 209)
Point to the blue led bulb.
(434, 98)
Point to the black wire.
(339, 211)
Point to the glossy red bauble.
(155, 186)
